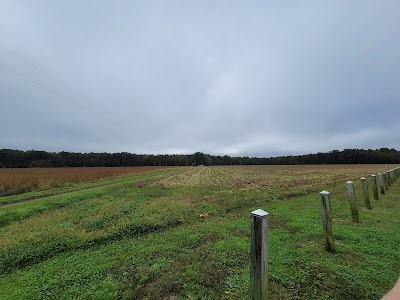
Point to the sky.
(240, 78)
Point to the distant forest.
(30, 159)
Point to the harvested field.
(270, 177)
(17, 181)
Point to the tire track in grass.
(11, 260)
(57, 192)
(88, 224)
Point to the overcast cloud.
(254, 78)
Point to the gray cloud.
(223, 77)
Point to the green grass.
(30, 204)
(73, 187)
(138, 241)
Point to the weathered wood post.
(259, 255)
(329, 240)
(374, 186)
(353, 202)
(385, 180)
(381, 183)
(364, 186)
(389, 179)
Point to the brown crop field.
(268, 178)
(271, 178)
(16, 181)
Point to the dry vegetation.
(16, 181)
(270, 177)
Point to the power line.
(68, 99)
(72, 89)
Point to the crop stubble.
(270, 176)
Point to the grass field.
(184, 233)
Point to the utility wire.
(69, 99)
(72, 89)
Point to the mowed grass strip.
(81, 225)
(21, 180)
(198, 246)
(15, 211)
(78, 186)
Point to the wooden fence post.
(381, 183)
(365, 192)
(329, 240)
(259, 255)
(353, 202)
(389, 179)
(374, 186)
(385, 180)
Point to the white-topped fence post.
(259, 255)
(385, 180)
(381, 183)
(353, 202)
(364, 186)
(389, 178)
(374, 186)
(329, 240)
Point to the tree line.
(29, 159)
